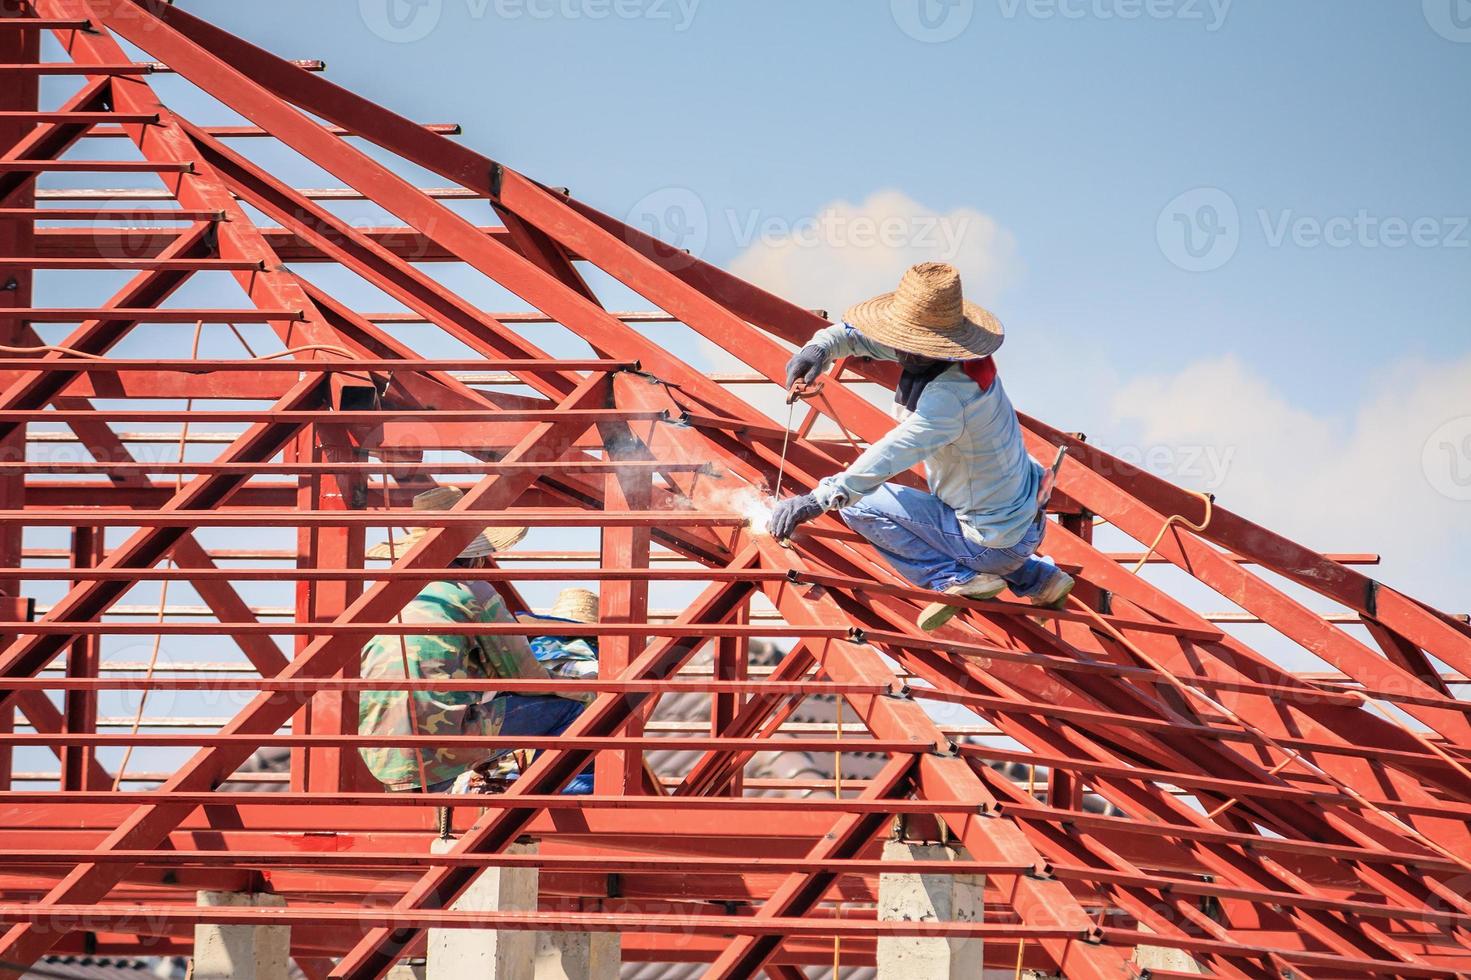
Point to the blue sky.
(1324, 346)
(1073, 132)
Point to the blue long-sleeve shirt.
(969, 440)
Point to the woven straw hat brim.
(487, 542)
(979, 335)
(578, 605)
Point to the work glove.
(791, 513)
(806, 365)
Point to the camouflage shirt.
(448, 657)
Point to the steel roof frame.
(1263, 820)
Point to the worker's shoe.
(1056, 593)
(983, 586)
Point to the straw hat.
(574, 605)
(487, 542)
(578, 605)
(927, 315)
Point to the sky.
(1228, 238)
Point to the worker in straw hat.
(452, 656)
(567, 656)
(976, 531)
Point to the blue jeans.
(921, 538)
(537, 715)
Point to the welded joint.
(899, 829)
(990, 810)
(857, 635)
(1093, 936)
(945, 748)
(1041, 871)
(615, 885)
(1371, 597)
(497, 181)
(1105, 602)
(794, 576)
(898, 690)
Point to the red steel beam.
(150, 824)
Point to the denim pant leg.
(916, 533)
(920, 537)
(545, 715)
(1030, 575)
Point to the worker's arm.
(829, 344)
(937, 421)
(506, 655)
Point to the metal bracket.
(1371, 597)
(856, 635)
(18, 608)
(946, 749)
(615, 885)
(497, 180)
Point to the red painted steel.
(1129, 773)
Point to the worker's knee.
(880, 505)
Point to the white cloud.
(847, 252)
(1384, 479)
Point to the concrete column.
(1165, 958)
(929, 898)
(487, 954)
(241, 952)
(578, 955)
